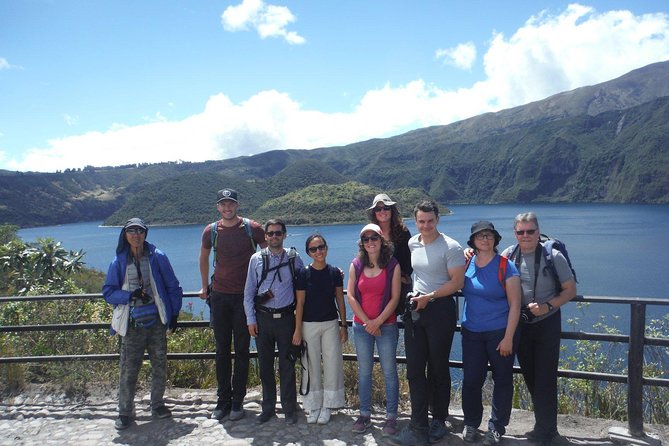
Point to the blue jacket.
(166, 283)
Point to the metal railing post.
(635, 369)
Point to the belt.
(277, 313)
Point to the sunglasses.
(313, 249)
(373, 238)
(382, 208)
(139, 231)
(528, 231)
(274, 233)
(484, 237)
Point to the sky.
(116, 82)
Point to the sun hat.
(384, 198)
(483, 225)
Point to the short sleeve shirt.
(319, 286)
(431, 262)
(233, 251)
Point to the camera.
(526, 315)
(261, 298)
(411, 306)
(295, 352)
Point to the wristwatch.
(342, 324)
(550, 307)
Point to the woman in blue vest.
(374, 281)
(147, 299)
(489, 322)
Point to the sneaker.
(410, 437)
(161, 412)
(491, 437)
(122, 422)
(221, 411)
(312, 416)
(389, 427)
(437, 430)
(324, 416)
(236, 415)
(361, 424)
(469, 434)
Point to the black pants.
(276, 332)
(428, 347)
(229, 319)
(538, 356)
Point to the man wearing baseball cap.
(234, 240)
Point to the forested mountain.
(603, 143)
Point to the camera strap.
(305, 369)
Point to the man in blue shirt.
(269, 303)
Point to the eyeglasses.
(373, 238)
(313, 249)
(382, 208)
(139, 231)
(528, 231)
(484, 236)
(274, 233)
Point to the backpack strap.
(501, 271)
(292, 255)
(550, 263)
(214, 240)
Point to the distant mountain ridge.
(607, 142)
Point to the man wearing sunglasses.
(233, 243)
(269, 302)
(439, 269)
(539, 349)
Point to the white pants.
(323, 342)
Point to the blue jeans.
(386, 345)
(479, 349)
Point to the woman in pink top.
(374, 282)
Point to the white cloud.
(549, 54)
(70, 120)
(267, 20)
(462, 56)
(5, 65)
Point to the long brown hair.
(385, 253)
(397, 226)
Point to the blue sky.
(118, 82)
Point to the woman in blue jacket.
(147, 299)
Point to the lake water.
(617, 250)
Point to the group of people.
(269, 294)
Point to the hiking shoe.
(410, 437)
(221, 411)
(291, 418)
(264, 417)
(312, 416)
(361, 424)
(161, 412)
(122, 422)
(236, 415)
(492, 437)
(389, 427)
(469, 434)
(437, 431)
(324, 417)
